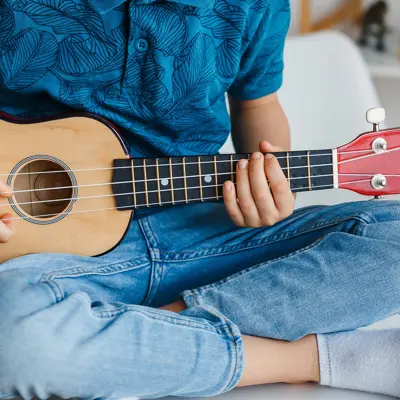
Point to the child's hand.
(252, 203)
(7, 226)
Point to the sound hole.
(36, 189)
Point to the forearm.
(258, 120)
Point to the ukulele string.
(147, 180)
(140, 206)
(154, 180)
(179, 164)
(159, 165)
(175, 189)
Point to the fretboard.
(151, 182)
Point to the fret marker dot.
(208, 178)
(165, 182)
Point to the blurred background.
(347, 16)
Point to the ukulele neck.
(152, 182)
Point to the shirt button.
(141, 45)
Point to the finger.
(231, 204)
(246, 201)
(260, 191)
(267, 147)
(5, 190)
(279, 185)
(7, 228)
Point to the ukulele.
(73, 179)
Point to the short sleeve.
(261, 68)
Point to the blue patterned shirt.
(158, 69)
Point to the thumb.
(267, 147)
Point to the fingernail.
(269, 156)
(256, 156)
(243, 164)
(228, 186)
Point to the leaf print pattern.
(228, 57)
(6, 21)
(165, 25)
(79, 55)
(65, 17)
(225, 20)
(169, 98)
(193, 69)
(145, 79)
(27, 58)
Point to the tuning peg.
(376, 116)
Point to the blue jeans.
(89, 327)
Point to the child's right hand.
(7, 225)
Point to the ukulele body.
(71, 144)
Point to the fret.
(208, 177)
(150, 172)
(282, 159)
(309, 171)
(200, 180)
(172, 181)
(288, 167)
(179, 181)
(185, 180)
(236, 158)
(298, 171)
(133, 183)
(192, 179)
(233, 175)
(164, 178)
(158, 183)
(216, 178)
(225, 170)
(140, 184)
(321, 169)
(145, 182)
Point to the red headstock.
(370, 165)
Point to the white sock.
(361, 360)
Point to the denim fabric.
(88, 327)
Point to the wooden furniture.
(349, 10)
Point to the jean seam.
(235, 342)
(235, 369)
(227, 327)
(155, 281)
(55, 288)
(221, 251)
(150, 238)
(115, 268)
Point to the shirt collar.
(103, 6)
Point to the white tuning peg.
(376, 116)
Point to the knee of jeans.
(23, 309)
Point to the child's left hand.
(254, 204)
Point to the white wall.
(388, 89)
